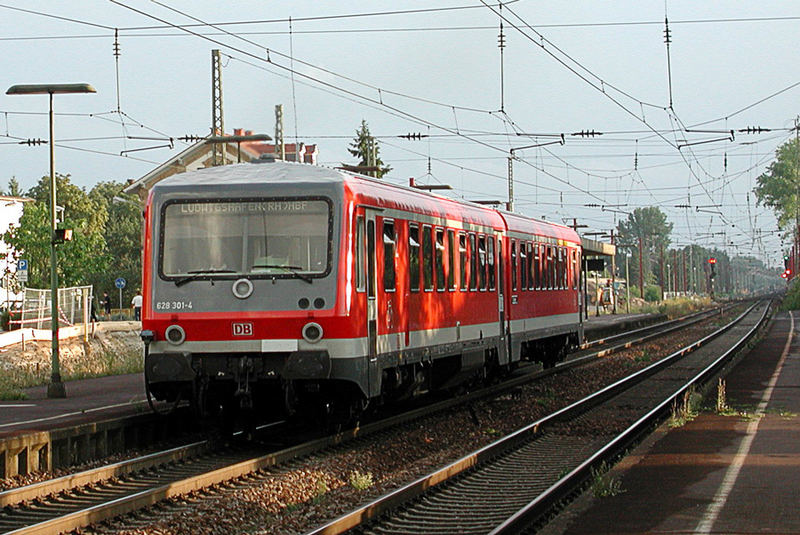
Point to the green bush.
(652, 293)
(5, 320)
(792, 299)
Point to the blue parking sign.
(22, 265)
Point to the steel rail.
(619, 336)
(148, 497)
(121, 468)
(564, 487)
(561, 489)
(95, 475)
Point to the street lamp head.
(51, 89)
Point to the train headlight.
(242, 288)
(312, 332)
(175, 335)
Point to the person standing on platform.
(93, 308)
(106, 304)
(137, 306)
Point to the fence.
(73, 307)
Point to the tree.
(365, 147)
(78, 259)
(123, 238)
(649, 227)
(779, 187)
(13, 188)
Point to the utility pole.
(627, 283)
(613, 277)
(641, 273)
(510, 203)
(280, 148)
(501, 44)
(217, 121)
(797, 181)
(661, 272)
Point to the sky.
(642, 125)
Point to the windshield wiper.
(196, 273)
(294, 270)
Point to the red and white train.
(278, 285)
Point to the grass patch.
(684, 410)
(603, 485)
(681, 306)
(93, 363)
(9, 389)
(360, 481)
(320, 490)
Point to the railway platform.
(734, 472)
(608, 324)
(87, 400)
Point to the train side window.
(361, 280)
(549, 262)
(451, 259)
(553, 268)
(492, 271)
(473, 263)
(537, 280)
(514, 265)
(462, 258)
(413, 256)
(543, 253)
(388, 256)
(557, 251)
(482, 262)
(427, 258)
(440, 275)
(563, 268)
(531, 262)
(575, 272)
(523, 267)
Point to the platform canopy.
(597, 248)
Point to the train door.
(503, 349)
(372, 303)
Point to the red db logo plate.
(242, 329)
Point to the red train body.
(280, 285)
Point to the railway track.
(80, 499)
(516, 482)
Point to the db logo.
(242, 329)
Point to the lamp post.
(669, 280)
(56, 388)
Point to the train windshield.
(256, 238)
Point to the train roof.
(370, 191)
(252, 173)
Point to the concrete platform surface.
(87, 400)
(730, 474)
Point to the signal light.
(783, 275)
(712, 260)
(61, 235)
